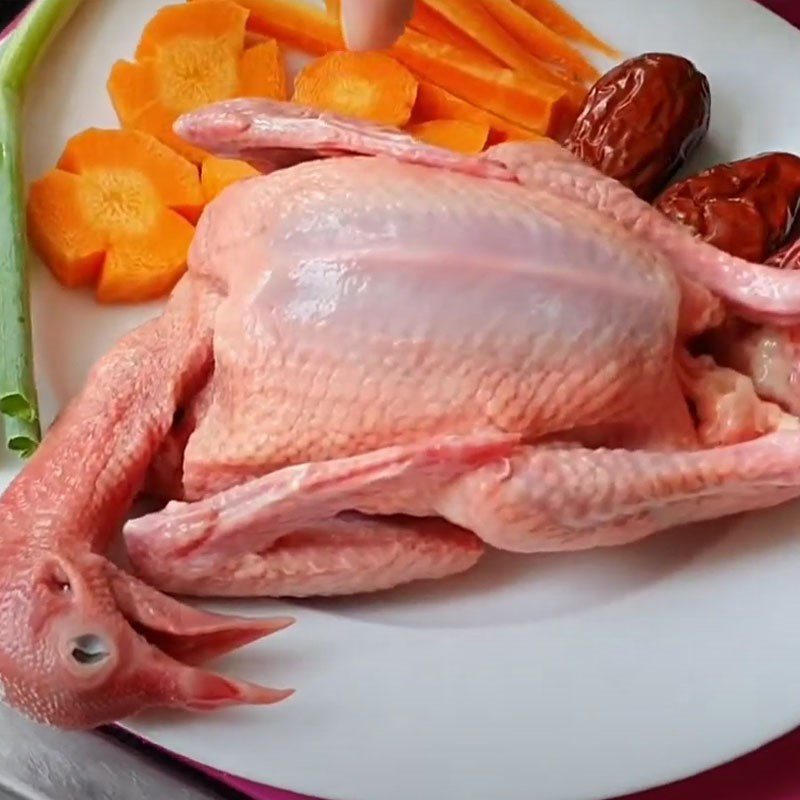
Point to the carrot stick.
(369, 86)
(539, 40)
(551, 14)
(537, 106)
(453, 134)
(477, 23)
(434, 103)
(334, 8)
(427, 21)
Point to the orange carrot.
(194, 51)
(73, 250)
(477, 23)
(145, 267)
(189, 56)
(454, 134)
(531, 104)
(369, 86)
(190, 35)
(114, 211)
(429, 22)
(550, 13)
(539, 40)
(218, 174)
(135, 94)
(538, 106)
(262, 72)
(173, 178)
(297, 24)
(434, 103)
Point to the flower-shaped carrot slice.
(262, 72)
(116, 212)
(189, 56)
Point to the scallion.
(19, 55)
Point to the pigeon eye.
(89, 649)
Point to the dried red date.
(745, 208)
(642, 120)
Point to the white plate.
(554, 677)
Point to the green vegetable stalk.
(18, 398)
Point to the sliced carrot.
(539, 40)
(191, 33)
(550, 13)
(262, 72)
(111, 207)
(537, 106)
(369, 86)
(297, 24)
(137, 94)
(334, 8)
(218, 174)
(429, 22)
(454, 134)
(434, 103)
(174, 179)
(470, 17)
(189, 56)
(144, 267)
(134, 91)
(132, 88)
(73, 250)
(194, 52)
(531, 104)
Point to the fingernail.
(374, 24)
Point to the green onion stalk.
(19, 404)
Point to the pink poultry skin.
(380, 361)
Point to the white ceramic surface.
(551, 678)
